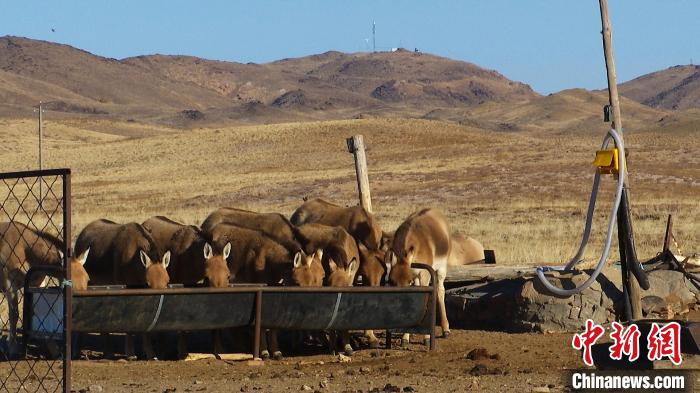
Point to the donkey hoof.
(446, 333)
(265, 354)
(405, 342)
(277, 355)
(348, 350)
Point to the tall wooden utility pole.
(632, 275)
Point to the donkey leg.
(217, 341)
(182, 351)
(405, 339)
(13, 311)
(345, 340)
(147, 344)
(274, 346)
(444, 323)
(264, 348)
(129, 349)
(373, 340)
(75, 345)
(333, 342)
(108, 352)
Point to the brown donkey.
(465, 250)
(273, 225)
(424, 237)
(253, 257)
(189, 261)
(22, 247)
(357, 221)
(308, 270)
(336, 243)
(124, 254)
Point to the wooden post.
(625, 234)
(356, 146)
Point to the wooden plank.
(484, 272)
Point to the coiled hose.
(612, 134)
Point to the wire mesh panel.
(35, 281)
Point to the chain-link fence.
(35, 281)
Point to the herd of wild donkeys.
(322, 244)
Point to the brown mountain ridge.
(676, 87)
(181, 90)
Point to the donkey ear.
(319, 254)
(166, 259)
(332, 264)
(145, 260)
(82, 258)
(411, 255)
(297, 259)
(208, 252)
(227, 250)
(352, 267)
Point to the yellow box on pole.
(607, 161)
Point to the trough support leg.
(388, 339)
(258, 325)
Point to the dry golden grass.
(522, 194)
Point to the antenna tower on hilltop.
(374, 36)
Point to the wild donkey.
(424, 237)
(335, 243)
(355, 220)
(22, 247)
(363, 227)
(127, 255)
(253, 258)
(189, 261)
(274, 225)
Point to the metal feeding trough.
(122, 310)
(117, 309)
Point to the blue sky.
(549, 44)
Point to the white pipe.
(587, 229)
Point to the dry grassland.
(523, 194)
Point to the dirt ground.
(512, 363)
